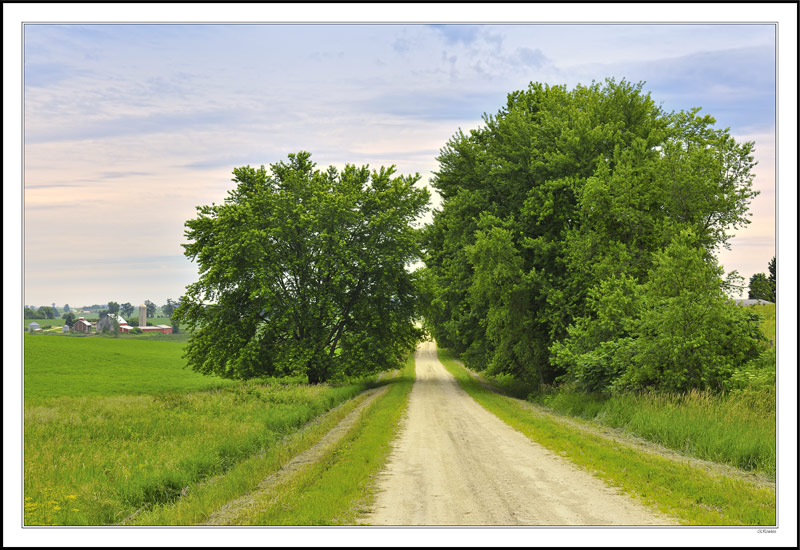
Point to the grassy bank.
(735, 429)
(690, 494)
(112, 426)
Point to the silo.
(142, 315)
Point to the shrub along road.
(455, 463)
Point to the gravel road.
(454, 463)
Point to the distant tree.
(760, 288)
(30, 313)
(169, 307)
(126, 309)
(151, 309)
(103, 313)
(113, 307)
(46, 312)
(772, 278)
(66, 308)
(69, 318)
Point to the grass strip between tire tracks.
(339, 488)
(691, 495)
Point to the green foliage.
(677, 331)
(126, 309)
(772, 276)
(136, 330)
(559, 197)
(30, 313)
(303, 271)
(69, 318)
(113, 307)
(46, 312)
(762, 287)
(151, 309)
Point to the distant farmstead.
(106, 324)
(34, 327)
(82, 325)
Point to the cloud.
(531, 58)
(453, 34)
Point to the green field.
(115, 426)
(62, 366)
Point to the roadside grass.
(204, 498)
(737, 429)
(692, 495)
(57, 366)
(95, 460)
(115, 426)
(339, 489)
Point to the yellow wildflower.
(72, 497)
(56, 507)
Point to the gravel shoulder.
(455, 463)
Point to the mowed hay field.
(115, 426)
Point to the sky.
(127, 128)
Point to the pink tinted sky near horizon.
(129, 127)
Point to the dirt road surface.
(454, 463)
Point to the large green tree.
(304, 271)
(558, 192)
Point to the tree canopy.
(562, 198)
(304, 271)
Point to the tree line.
(575, 243)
